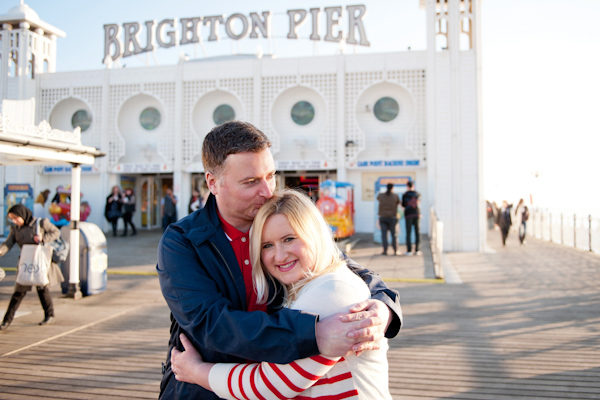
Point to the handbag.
(34, 264)
(60, 248)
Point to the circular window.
(303, 113)
(223, 113)
(386, 109)
(150, 118)
(81, 119)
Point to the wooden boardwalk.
(524, 324)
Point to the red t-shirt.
(240, 243)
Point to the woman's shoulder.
(332, 293)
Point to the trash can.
(93, 259)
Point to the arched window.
(45, 66)
(31, 66)
(12, 63)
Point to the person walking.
(504, 221)
(26, 231)
(491, 218)
(388, 217)
(128, 200)
(168, 209)
(411, 200)
(112, 210)
(523, 225)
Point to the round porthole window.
(150, 118)
(223, 113)
(81, 119)
(386, 109)
(303, 113)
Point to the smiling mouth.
(288, 266)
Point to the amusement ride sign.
(133, 38)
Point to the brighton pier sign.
(127, 40)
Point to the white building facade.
(350, 118)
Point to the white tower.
(27, 48)
(454, 120)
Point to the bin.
(93, 259)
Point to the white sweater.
(364, 377)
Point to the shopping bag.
(34, 265)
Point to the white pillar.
(74, 288)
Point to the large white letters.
(237, 26)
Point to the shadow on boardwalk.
(524, 324)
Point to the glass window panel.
(386, 109)
(81, 119)
(150, 118)
(303, 113)
(223, 113)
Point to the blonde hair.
(310, 226)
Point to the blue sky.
(540, 75)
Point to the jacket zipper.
(224, 261)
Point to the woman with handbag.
(25, 231)
(112, 210)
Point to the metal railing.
(582, 232)
(436, 241)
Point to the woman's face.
(16, 219)
(284, 254)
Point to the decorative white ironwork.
(43, 131)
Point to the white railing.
(582, 232)
(436, 241)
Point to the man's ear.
(211, 182)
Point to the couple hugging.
(275, 311)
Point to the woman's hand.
(188, 366)
(37, 238)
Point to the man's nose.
(265, 189)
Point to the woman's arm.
(8, 243)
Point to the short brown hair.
(231, 138)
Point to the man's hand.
(342, 334)
(188, 366)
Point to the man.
(388, 217)
(412, 215)
(205, 275)
(168, 209)
(504, 221)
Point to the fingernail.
(351, 335)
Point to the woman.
(112, 210)
(292, 248)
(128, 201)
(24, 232)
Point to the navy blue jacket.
(204, 288)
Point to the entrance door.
(150, 202)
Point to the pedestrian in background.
(39, 207)
(504, 221)
(128, 200)
(25, 231)
(523, 225)
(388, 217)
(195, 202)
(412, 216)
(112, 210)
(168, 209)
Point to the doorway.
(150, 207)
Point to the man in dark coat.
(205, 275)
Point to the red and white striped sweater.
(318, 377)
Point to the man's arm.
(380, 291)
(205, 296)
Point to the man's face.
(247, 182)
